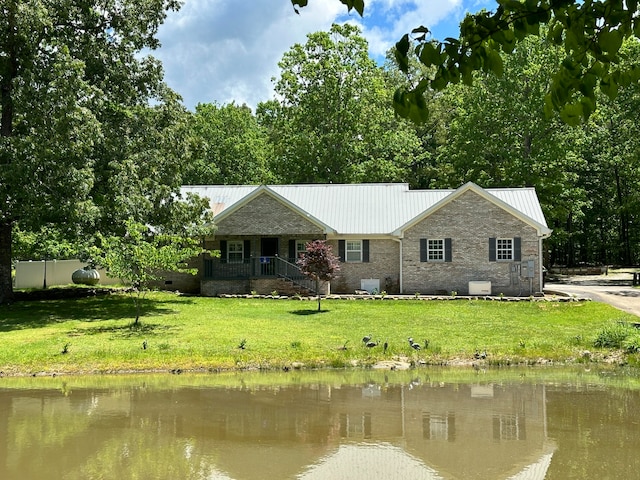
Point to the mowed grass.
(193, 333)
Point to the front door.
(268, 250)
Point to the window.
(435, 250)
(509, 427)
(504, 249)
(235, 252)
(439, 427)
(354, 251)
(301, 247)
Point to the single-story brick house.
(389, 238)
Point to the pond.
(517, 424)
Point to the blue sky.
(226, 50)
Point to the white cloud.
(224, 50)
(394, 18)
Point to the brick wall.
(212, 288)
(181, 282)
(469, 221)
(384, 264)
(265, 216)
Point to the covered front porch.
(252, 264)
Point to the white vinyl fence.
(31, 274)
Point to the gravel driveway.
(615, 289)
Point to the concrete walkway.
(615, 289)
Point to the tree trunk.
(10, 67)
(6, 285)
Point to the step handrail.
(293, 273)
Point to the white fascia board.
(327, 230)
(543, 230)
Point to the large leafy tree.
(333, 121)
(230, 147)
(611, 225)
(591, 34)
(496, 140)
(79, 143)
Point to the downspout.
(400, 282)
(540, 266)
(541, 261)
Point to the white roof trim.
(268, 191)
(543, 230)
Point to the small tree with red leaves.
(319, 263)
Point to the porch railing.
(290, 271)
(274, 267)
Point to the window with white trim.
(435, 249)
(235, 252)
(353, 251)
(504, 249)
(301, 247)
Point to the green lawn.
(193, 333)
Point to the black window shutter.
(447, 249)
(342, 250)
(223, 251)
(247, 250)
(492, 249)
(365, 251)
(423, 249)
(517, 249)
(292, 249)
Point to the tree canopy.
(89, 133)
(333, 122)
(591, 34)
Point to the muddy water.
(425, 424)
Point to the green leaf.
(420, 33)
(494, 62)
(572, 114)
(299, 3)
(508, 41)
(610, 41)
(588, 106)
(588, 85)
(609, 87)
(429, 55)
(402, 47)
(555, 33)
(411, 105)
(548, 106)
(357, 5)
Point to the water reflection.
(386, 427)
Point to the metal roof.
(366, 209)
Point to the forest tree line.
(332, 121)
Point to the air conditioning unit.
(479, 287)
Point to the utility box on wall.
(371, 285)
(527, 270)
(479, 288)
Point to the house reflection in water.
(420, 430)
(443, 430)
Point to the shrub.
(612, 336)
(632, 343)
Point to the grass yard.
(193, 333)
